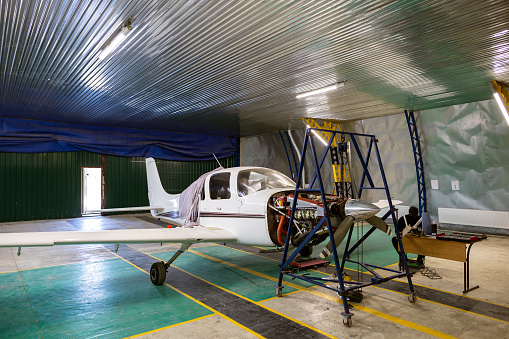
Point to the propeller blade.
(339, 235)
(380, 224)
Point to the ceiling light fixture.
(116, 39)
(318, 135)
(502, 97)
(321, 90)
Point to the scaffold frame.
(342, 289)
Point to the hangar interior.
(97, 87)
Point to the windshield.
(253, 180)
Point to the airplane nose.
(360, 209)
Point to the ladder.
(419, 166)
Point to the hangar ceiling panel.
(235, 67)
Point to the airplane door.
(219, 196)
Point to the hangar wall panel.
(396, 154)
(469, 144)
(42, 185)
(48, 185)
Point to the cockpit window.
(219, 186)
(253, 180)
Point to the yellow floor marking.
(257, 255)
(176, 245)
(255, 302)
(261, 275)
(57, 265)
(175, 325)
(406, 323)
(242, 297)
(437, 303)
(193, 299)
(312, 291)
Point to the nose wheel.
(158, 273)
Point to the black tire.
(353, 296)
(306, 251)
(158, 273)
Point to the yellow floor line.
(308, 289)
(195, 300)
(379, 314)
(175, 325)
(255, 302)
(261, 275)
(242, 297)
(312, 291)
(323, 295)
(455, 308)
(57, 265)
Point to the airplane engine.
(308, 212)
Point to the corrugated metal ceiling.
(234, 67)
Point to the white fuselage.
(243, 215)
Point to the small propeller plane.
(244, 205)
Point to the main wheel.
(355, 296)
(306, 251)
(158, 273)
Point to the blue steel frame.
(340, 265)
(293, 169)
(419, 167)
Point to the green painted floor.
(108, 299)
(376, 250)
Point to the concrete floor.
(215, 291)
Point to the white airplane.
(244, 205)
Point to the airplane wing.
(385, 203)
(162, 235)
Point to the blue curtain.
(35, 136)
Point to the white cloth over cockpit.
(189, 200)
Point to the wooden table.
(445, 249)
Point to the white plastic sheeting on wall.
(467, 144)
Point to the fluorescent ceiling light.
(502, 106)
(319, 137)
(118, 38)
(321, 90)
(501, 96)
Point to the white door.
(90, 189)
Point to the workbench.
(445, 249)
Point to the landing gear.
(353, 296)
(158, 273)
(412, 298)
(158, 269)
(306, 251)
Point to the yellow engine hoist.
(340, 155)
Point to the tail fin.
(157, 195)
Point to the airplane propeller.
(356, 210)
(339, 235)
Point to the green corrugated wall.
(48, 185)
